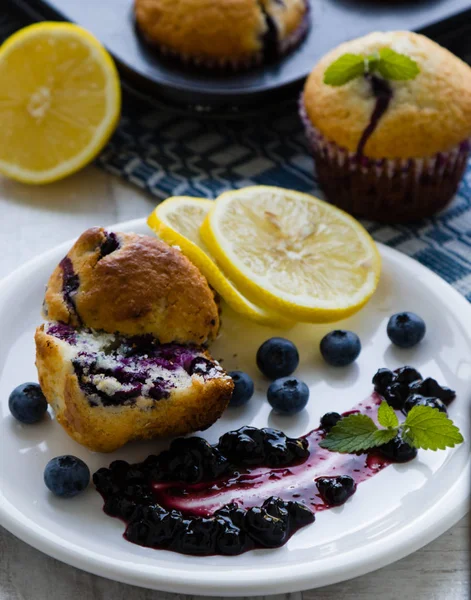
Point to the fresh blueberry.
(243, 388)
(336, 490)
(406, 329)
(340, 348)
(329, 420)
(277, 358)
(66, 476)
(398, 451)
(288, 395)
(27, 403)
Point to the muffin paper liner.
(386, 190)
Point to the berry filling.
(110, 244)
(273, 44)
(270, 41)
(383, 94)
(70, 283)
(115, 370)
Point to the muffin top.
(229, 30)
(426, 114)
(132, 284)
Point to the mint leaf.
(392, 65)
(344, 69)
(386, 415)
(356, 433)
(428, 428)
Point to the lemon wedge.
(177, 221)
(293, 252)
(60, 101)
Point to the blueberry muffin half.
(221, 33)
(107, 389)
(122, 355)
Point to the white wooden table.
(34, 219)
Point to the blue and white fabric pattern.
(172, 155)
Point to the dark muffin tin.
(332, 22)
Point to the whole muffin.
(134, 284)
(220, 33)
(388, 118)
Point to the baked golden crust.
(144, 286)
(429, 114)
(230, 30)
(104, 429)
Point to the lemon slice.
(177, 221)
(59, 101)
(293, 252)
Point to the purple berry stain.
(383, 94)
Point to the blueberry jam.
(383, 94)
(253, 489)
(404, 388)
(70, 283)
(115, 370)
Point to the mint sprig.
(392, 65)
(356, 433)
(425, 427)
(386, 416)
(387, 62)
(344, 69)
(428, 428)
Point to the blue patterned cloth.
(168, 154)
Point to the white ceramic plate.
(393, 514)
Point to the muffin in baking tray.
(388, 118)
(122, 354)
(106, 389)
(134, 284)
(223, 33)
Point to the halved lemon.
(293, 252)
(60, 101)
(177, 221)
